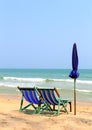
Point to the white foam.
(11, 84)
(84, 81)
(86, 91)
(8, 85)
(45, 80)
(61, 80)
(72, 80)
(24, 79)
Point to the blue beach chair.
(30, 95)
(52, 98)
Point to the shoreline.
(10, 117)
(65, 93)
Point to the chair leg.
(58, 106)
(70, 106)
(21, 104)
(65, 108)
(54, 107)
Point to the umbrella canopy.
(74, 74)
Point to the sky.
(41, 33)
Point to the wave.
(84, 81)
(14, 85)
(8, 85)
(11, 84)
(32, 79)
(86, 91)
(24, 79)
(44, 80)
(70, 81)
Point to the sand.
(12, 119)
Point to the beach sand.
(12, 119)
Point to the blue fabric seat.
(51, 98)
(30, 95)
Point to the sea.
(48, 78)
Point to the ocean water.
(11, 78)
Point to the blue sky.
(41, 33)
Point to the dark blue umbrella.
(74, 73)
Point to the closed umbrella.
(74, 74)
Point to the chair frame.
(50, 98)
(35, 100)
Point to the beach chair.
(51, 98)
(30, 95)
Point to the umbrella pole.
(74, 96)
